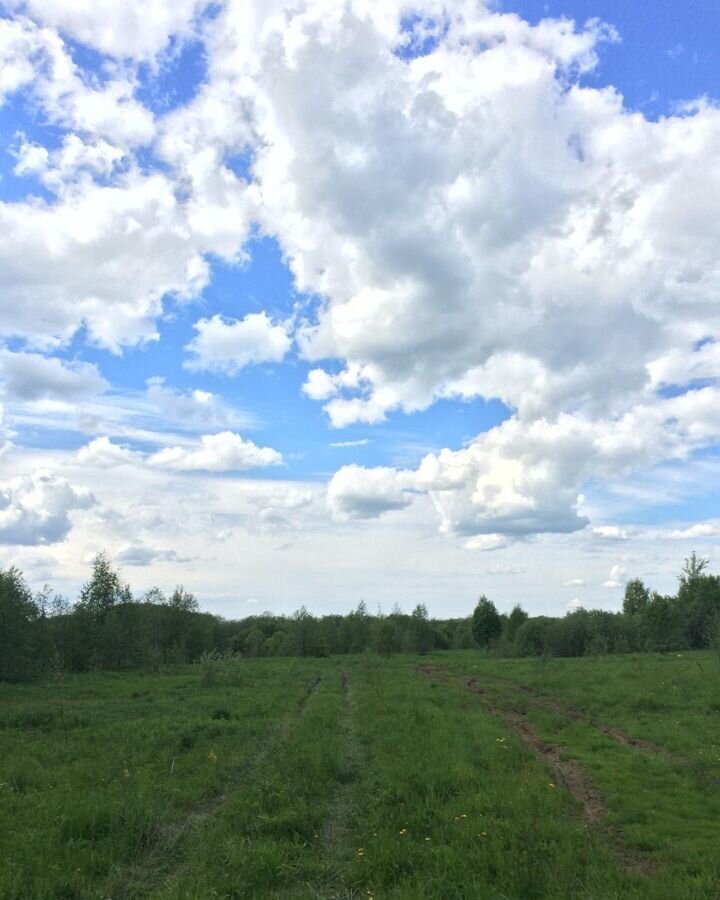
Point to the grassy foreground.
(447, 776)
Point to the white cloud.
(574, 582)
(521, 217)
(617, 577)
(611, 533)
(487, 542)
(471, 223)
(37, 60)
(296, 499)
(74, 158)
(34, 509)
(30, 376)
(362, 442)
(192, 407)
(523, 478)
(228, 346)
(139, 554)
(507, 202)
(698, 530)
(284, 510)
(395, 559)
(103, 454)
(223, 452)
(103, 256)
(502, 569)
(355, 492)
(122, 28)
(18, 45)
(682, 366)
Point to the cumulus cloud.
(683, 366)
(698, 530)
(228, 346)
(616, 578)
(139, 554)
(104, 256)
(522, 478)
(196, 407)
(487, 542)
(34, 509)
(117, 238)
(472, 220)
(39, 61)
(74, 158)
(286, 510)
(355, 492)
(520, 213)
(30, 376)
(501, 569)
(611, 533)
(121, 28)
(574, 582)
(104, 454)
(223, 452)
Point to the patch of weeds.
(648, 705)
(187, 741)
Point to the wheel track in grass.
(136, 881)
(339, 812)
(566, 772)
(621, 737)
(538, 700)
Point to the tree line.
(108, 628)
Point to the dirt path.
(567, 773)
(336, 824)
(534, 698)
(138, 880)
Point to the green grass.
(377, 780)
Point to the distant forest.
(108, 628)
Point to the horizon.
(404, 304)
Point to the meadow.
(449, 775)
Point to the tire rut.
(566, 772)
(540, 701)
(138, 880)
(336, 823)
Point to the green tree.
(255, 643)
(692, 570)
(531, 638)
(19, 617)
(636, 599)
(662, 623)
(514, 621)
(486, 622)
(699, 602)
(303, 633)
(422, 630)
(103, 590)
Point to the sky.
(309, 302)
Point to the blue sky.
(426, 297)
(666, 52)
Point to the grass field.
(447, 776)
